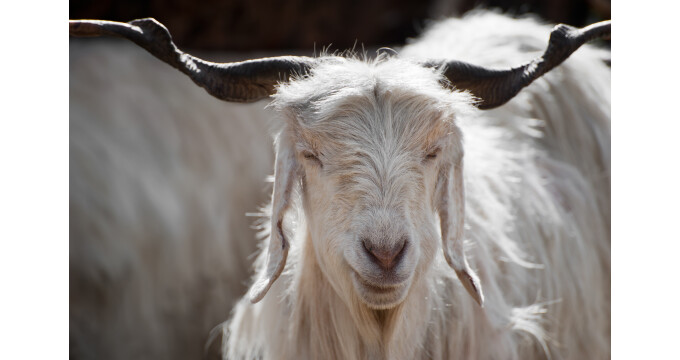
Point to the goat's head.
(374, 146)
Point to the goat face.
(371, 152)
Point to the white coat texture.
(356, 142)
(161, 178)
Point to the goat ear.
(284, 178)
(451, 209)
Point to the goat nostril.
(367, 247)
(385, 257)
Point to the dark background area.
(247, 25)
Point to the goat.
(398, 251)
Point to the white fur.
(536, 175)
(161, 177)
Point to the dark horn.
(495, 87)
(245, 81)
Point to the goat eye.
(311, 157)
(431, 155)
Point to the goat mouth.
(380, 297)
(378, 289)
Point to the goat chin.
(379, 297)
(537, 225)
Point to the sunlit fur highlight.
(537, 209)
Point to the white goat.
(369, 143)
(160, 183)
(374, 151)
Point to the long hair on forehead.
(364, 89)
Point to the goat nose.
(385, 256)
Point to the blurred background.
(246, 25)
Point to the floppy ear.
(451, 208)
(284, 178)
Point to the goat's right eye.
(432, 155)
(308, 155)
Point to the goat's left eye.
(431, 155)
(311, 157)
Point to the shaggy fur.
(536, 179)
(160, 182)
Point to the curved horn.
(495, 87)
(245, 81)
